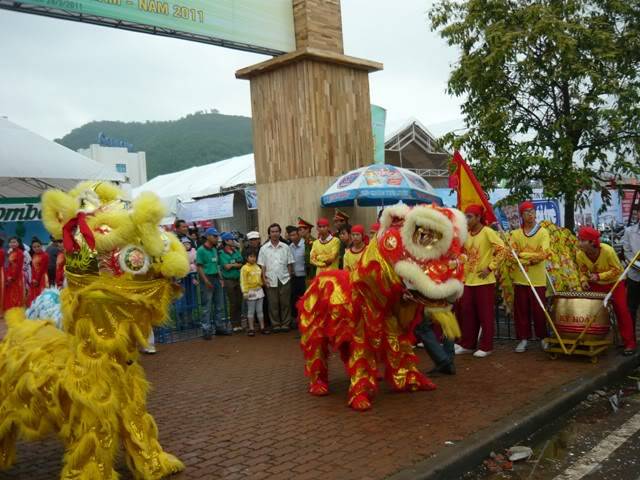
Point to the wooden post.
(311, 118)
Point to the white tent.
(196, 182)
(29, 164)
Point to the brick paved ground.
(238, 408)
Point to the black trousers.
(298, 287)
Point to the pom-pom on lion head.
(424, 245)
(103, 233)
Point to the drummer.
(600, 268)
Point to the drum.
(572, 311)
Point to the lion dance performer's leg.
(402, 371)
(363, 372)
(91, 444)
(144, 454)
(31, 357)
(324, 319)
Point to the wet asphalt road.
(593, 442)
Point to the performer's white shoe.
(459, 350)
(543, 345)
(481, 354)
(522, 346)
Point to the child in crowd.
(251, 286)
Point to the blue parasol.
(378, 185)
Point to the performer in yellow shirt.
(354, 252)
(600, 268)
(325, 252)
(532, 244)
(483, 249)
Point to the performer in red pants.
(482, 248)
(600, 268)
(532, 245)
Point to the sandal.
(251, 333)
(265, 331)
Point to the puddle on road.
(575, 436)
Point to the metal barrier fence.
(185, 316)
(185, 313)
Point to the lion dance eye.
(426, 237)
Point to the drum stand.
(577, 346)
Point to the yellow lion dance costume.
(369, 315)
(84, 382)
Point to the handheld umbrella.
(378, 185)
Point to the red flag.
(468, 188)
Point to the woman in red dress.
(39, 268)
(14, 275)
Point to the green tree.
(550, 91)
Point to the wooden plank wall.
(318, 24)
(310, 119)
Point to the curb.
(453, 462)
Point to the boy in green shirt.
(231, 262)
(207, 262)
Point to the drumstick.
(608, 296)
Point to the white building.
(131, 164)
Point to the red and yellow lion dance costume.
(369, 315)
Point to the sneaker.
(150, 350)
(543, 345)
(481, 354)
(522, 346)
(419, 345)
(461, 350)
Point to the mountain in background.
(197, 139)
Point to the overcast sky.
(57, 75)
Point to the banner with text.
(21, 217)
(248, 23)
(212, 208)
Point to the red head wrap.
(358, 229)
(526, 206)
(475, 209)
(375, 227)
(322, 222)
(589, 234)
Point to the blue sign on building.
(105, 141)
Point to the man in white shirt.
(277, 261)
(631, 245)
